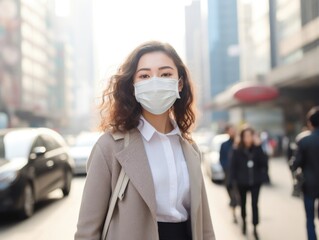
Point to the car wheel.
(67, 183)
(28, 202)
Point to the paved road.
(281, 216)
(54, 219)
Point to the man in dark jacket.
(307, 158)
(224, 158)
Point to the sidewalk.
(281, 215)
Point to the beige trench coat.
(134, 217)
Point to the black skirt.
(174, 231)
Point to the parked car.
(33, 162)
(81, 150)
(203, 138)
(211, 159)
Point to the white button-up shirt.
(169, 171)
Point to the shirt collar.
(147, 130)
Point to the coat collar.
(133, 160)
(147, 130)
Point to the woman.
(150, 99)
(248, 170)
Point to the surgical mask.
(157, 95)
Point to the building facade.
(73, 25)
(35, 67)
(284, 38)
(297, 75)
(212, 51)
(196, 56)
(224, 49)
(27, 66)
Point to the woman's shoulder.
(258, 148)
(236, 149)
(106, 137)
(109, 139)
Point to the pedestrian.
(248, 170)
(297, 175)
(307, 158)
(224, 158)
(147, 114)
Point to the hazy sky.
(121, 25)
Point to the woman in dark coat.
(248, 170)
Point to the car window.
(50, 143)
(18, 144)
(2, 149)
(37, 143)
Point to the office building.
(223, 44)
(73, 25)
(284, 79)
(196, 56)
(27, 63)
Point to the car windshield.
(15, 144)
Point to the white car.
(81, 150)
(211, 159)
(203, 138)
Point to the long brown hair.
(241, 143)
(119, 109)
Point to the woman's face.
(155, 64)
(248, 138)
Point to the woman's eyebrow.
(166, 67)
(160, 68)
(143, 69)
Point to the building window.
(309, 10)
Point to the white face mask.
(157, 95)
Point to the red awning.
(255, 93)
(245, 92)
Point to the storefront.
(280, 102)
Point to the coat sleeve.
(208, 230)
(222, 155)
(262, 158)
(298, 159)
(232, 167)
(95, 199)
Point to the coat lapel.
(133, 160)
(194, 170)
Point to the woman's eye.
(166, 75)
(144, 76)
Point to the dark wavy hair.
(119, 109)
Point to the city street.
(281, 216)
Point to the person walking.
(147, 115)
(224, 158)
(248, 170)
(307, 158)
(297, 175)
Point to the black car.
(33, 162)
